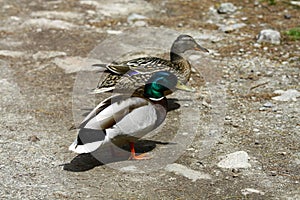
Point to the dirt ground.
(47, 49)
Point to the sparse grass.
(294, 33)
(270, 2)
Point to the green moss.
(294, 33)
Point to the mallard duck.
(123, 119)
(143, 68)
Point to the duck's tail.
(87, 141)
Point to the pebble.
(135, 17)
(288, 95)
(57, 15)
(273, 173)
(12, 54)
(287, 16)
(226, 8)
(296, 3)
(48, 24)
(269, 36)
(186, 172)
(257, 45)
(268, 105)
(232, 27)
(42, 55)
(239, 159)
(227, 118)
(33, 138)
(247, 191)
(256, 130)
(262, 109)
(140, 23)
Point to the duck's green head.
(161, 83)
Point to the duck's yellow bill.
(181, 86)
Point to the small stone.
(283, 153)
(256, 130)
(33, 138)
(256, 142)
(235, 171)
(265, 48)
(287, 95)
(269, 36)
(287, 16)
(295, 3)
(227, 118)
(226, 8)
(232, 27)
(268, 105)
(247, 191)
(186, 172)
(260, 16)
(131, 19)
(236, 160)
(140, 23)
(262, 109)
(244, 18)
(257, 45)
(273, 173)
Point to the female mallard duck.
(143, 68)
(124, 119)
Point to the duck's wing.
(93, 130)
(140, 69)
(145, 64)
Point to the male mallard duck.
(124, 119)
(144, 67)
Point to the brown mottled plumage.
(129, 76)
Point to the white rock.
(186, 172)
(12, 54)
(57, 15)
(268, 105)
(75, 64)
(115, 8)
(113, 32)
(47, 24)
(135, 17)
(140, 23)
(247, 191)
(269, 35)
(235, 160)
(296, 3)
(41, 55)
(226, 8)
(288, 95)
(232, 27)
(130, 168)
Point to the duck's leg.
(143, 156)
